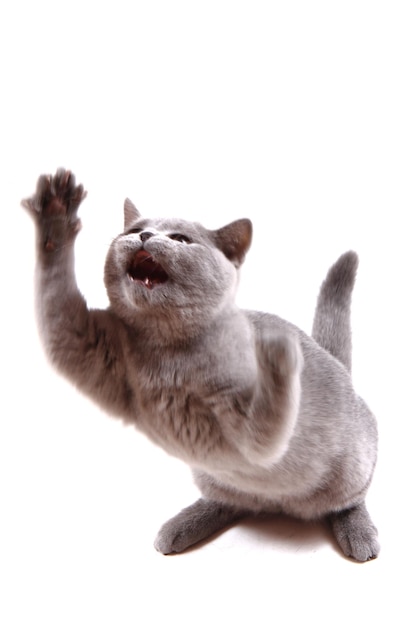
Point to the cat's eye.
(134, 231)
(179, 237)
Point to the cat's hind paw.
(193, 524)
(54, 207)
(355, 533)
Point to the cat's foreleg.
(193, 524)
(82, 343)
(264, 436)
(355, 533)
(62, 311)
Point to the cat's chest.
(186, 387)
(182, 401)
(213, 365)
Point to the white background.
(299, 115)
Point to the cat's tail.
(331, 326)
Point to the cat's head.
(172, 270)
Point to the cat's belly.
(308, 489)
(274, 483)
(273, 493)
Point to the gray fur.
(266, 416)
(331, 326)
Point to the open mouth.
(144, 269)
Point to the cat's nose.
(145, 235)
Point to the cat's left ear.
(131, 213)
(234, 240)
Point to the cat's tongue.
(144, 269)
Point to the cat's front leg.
(60, 306)
(264, 436)
(85, 345)
(193, 524)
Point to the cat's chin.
(143, 269)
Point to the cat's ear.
(234, 240)
(131, 213)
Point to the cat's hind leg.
(355, 533)
(193, 524)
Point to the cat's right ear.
(131, 213)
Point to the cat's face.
(172, 267)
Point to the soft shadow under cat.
(278, 531)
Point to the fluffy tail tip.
(341, 276)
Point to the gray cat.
(265, 416)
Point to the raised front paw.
(54, 207)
